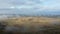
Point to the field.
(33, 21)
(32, 25)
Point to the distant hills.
(22, 12)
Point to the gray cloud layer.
(28, 6)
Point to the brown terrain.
(32, 25)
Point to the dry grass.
(33, 24)
(32, 20)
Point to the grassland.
(35, 24)
(32, 20)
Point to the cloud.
(31, 5)
(5, 4)
(39, 4)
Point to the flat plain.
(33, 24)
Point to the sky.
(29, 6)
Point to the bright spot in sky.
(12, 7)
(41, 0)
(20, 7)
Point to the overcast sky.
(29, 5)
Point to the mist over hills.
(24, 12)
